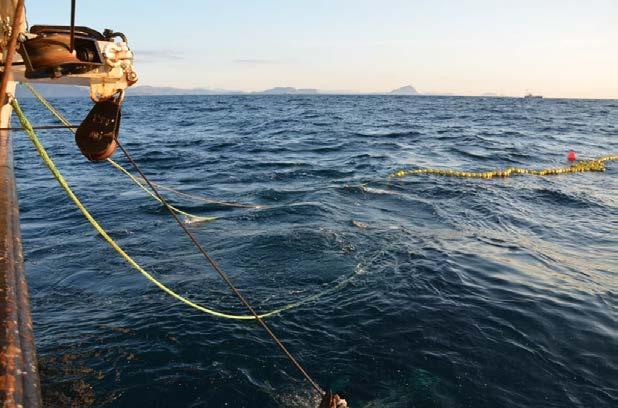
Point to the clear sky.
(558, 48)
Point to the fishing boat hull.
(19, 380)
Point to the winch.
(49, 53)
(52, 51)
(83, 56)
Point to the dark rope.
(72, 42)
(221, 273)
(43, 127)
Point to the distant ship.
(530, 96)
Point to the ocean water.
(435, 292)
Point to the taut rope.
(63, 183)
(215, 265)
(69, 191)
(136, 180)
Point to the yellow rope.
(192, 196)
(65, 186)
(48, 105)
(136, 180)
(578, 167)
(192, 218)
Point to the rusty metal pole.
(18, 22)
(19, 378)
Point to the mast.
(19, 379)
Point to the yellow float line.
(578, 167)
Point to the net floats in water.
(578, 167)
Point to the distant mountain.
(157, 90)
(288, 90)
(404, 90)
(52, 91)
(145, 90)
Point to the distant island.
(57, 91)
(145, 90)
(288, 90)
(53, 91)
(404, 90)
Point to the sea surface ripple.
(456, 292)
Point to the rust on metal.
(50, 56)
(17, 24)
(19, 380)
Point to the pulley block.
(96, 136)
